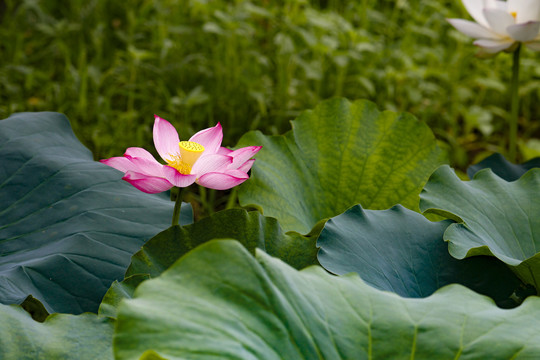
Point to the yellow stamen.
(176, 162)
(189, 153)
(514, 14)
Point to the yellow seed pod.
(190, 152)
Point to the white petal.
(500, 5)
(494, 4)
(493, 46)
(472, 29)
(524, 32)
(475, 7)
(525, 10)
(499, 20)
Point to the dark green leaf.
(68, 224)
(253, 230)
(250, 228)
(35, 308)
(502, 167)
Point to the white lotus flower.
(501, 24)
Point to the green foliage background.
(256, 64)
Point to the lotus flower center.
(189, 154)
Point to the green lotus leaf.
(338, 155)
(219, 302)
(61, 336)
(118, 291)
(401, 251)
(496, 217)
(251, 228)
(68, 224)
(502, 167)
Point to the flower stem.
(177, 205)
(514, 109)
(231, 202)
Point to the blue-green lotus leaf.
(496, 217)
(401, 251)
(338, 155)
(68, 224)
(502, 167)
(220, 302)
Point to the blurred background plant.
(255, 64)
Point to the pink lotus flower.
(201, 160)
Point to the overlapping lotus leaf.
(496, 217)
(340, 154)
(119, 291)
(219, 302)
(401, 251)
(68, 224)
(502, 167)
(61, 336)
(251, 228)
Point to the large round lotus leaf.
(60, 337)
(68, 224)
(250, 228)
(401, 251)
(219, 302)
(497, 217)
(338, 155)
(502, 167)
